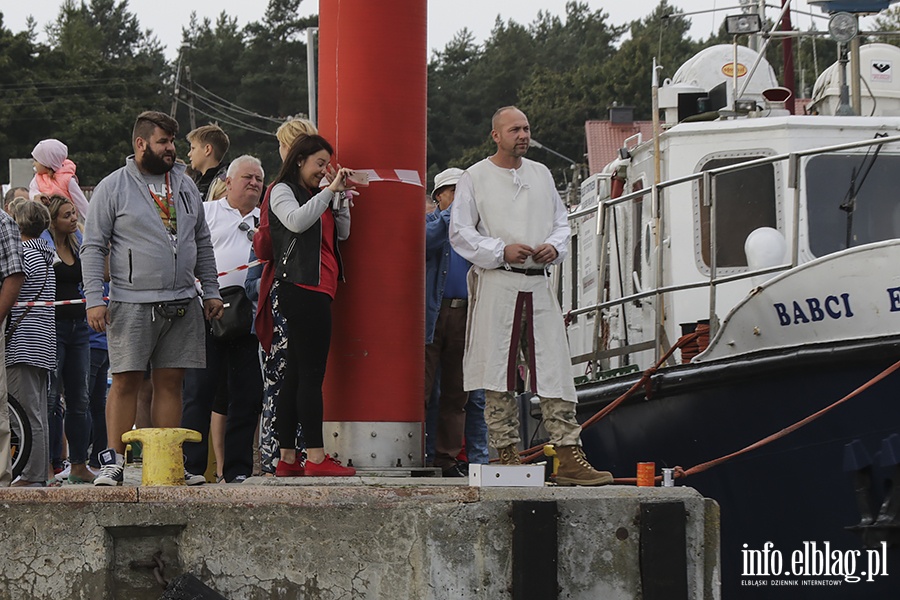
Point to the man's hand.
(213, 308)
(515, 254)
(545, 253)
(98, 318)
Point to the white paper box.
(506, 475)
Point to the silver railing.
(658, 291)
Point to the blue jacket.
(437, 263)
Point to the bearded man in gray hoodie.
(147, 219)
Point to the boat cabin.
(735, 194)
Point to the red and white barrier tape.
(241, 268)
(409, 176)
(82, 300)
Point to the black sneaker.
(111, 470)
(193, 479)
(456, 470)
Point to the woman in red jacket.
(306, 224)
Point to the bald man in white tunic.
(510, 223)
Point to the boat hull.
(791, 491)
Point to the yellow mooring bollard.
(553, 466)
(161, 451)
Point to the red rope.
(535, 451)
(680, 472)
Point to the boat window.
(875, 215)
(637, 226)
(746, 200)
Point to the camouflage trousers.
(501, 413)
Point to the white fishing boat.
(781, 234)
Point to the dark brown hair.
(148, 120)
(302, 148)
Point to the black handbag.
(237, 318)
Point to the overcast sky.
(445, 17)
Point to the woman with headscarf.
(54, 173)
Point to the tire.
(21, 436)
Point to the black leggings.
(308, 316)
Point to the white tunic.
(494, 207)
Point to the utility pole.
(311, 33)
(190, 91)
(177, 82)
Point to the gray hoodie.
(124, 223)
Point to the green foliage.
(533, 67)
(888, 20)
(19, 101)
(560, 71)
(261, 69)
(99, 69)
(662, 34)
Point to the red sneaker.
(328, 468)
(284, 469)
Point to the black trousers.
(308, 316)
(237, 363)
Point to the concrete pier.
(362, 537)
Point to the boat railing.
(659, 342)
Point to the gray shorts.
(137, 334)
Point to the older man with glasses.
(228, 392)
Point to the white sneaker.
(191, 479)
(64, 474)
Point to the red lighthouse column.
(372, 103)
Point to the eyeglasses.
(245, 227)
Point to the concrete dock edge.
(329, 539)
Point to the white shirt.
(231, 244)
(494, 207)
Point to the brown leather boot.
(574, 469)
(509, 455)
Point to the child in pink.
(54, 173)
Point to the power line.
(237, 108)
(227, 120)
(26, 102)
(53, 85)
(222, 113)
(221, 107)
